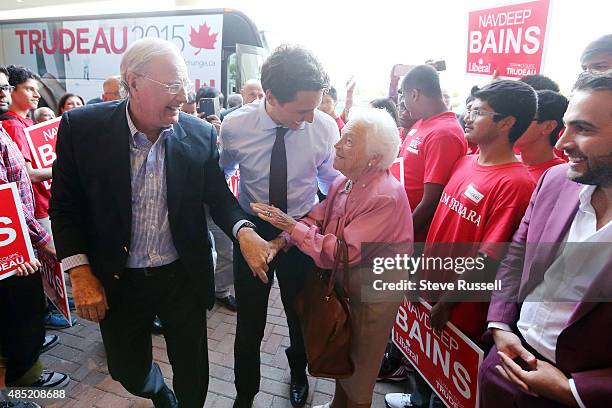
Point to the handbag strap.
(341, 255)
(345, 267)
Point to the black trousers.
(252, 298)
(126, 332)
(22, 327)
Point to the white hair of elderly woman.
(141, 52)
(380, 132)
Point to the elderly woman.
(369, 205)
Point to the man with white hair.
(43, 114)
(234, 101)
(112, 89)
(130, 183)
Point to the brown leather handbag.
(325, 317)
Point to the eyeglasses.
(172, 88)
(7, 88)
(472, 114)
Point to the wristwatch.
(247, 224)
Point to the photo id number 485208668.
(35, 393)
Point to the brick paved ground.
(81, 355)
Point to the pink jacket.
(375, 210)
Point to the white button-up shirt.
(547, 309)
(247, 137)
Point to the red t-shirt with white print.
(430, 150)
(483, 205)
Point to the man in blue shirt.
(261, 139)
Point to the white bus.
(222, 48)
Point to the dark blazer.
(90, 206)
(584, 347)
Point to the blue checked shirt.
(151, 239)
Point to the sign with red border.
(397, 169)
(15, 245)
(508, 40)
(42, 138)
(448, 361)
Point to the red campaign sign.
(15, 244)
(397, 169)
(448, 361)
(54, 285)
(508, 39)
(42, 138)
(234, 182)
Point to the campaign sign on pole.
(54, 285)
(15, 244)
(397, 169)
(448, 361)
(233, 182)
(42, 138)
(508, 39)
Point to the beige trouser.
(371, 323)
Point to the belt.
(153, 271)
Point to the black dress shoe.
(298, 390)
(241, 402)
(228, 302)
(156, 327)
(165, 398)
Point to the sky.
(365, 39)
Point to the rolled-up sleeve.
(366, 227)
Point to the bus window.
(232, 75)
(250, 60)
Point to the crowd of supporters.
(520, 165)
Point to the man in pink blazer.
(552, 320)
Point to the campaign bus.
(222, 48)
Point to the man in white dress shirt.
(283, 147)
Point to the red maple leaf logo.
(202, 38)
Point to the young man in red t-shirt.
(431, 147)
(480, 207)
(24, 98)
(487, 194)
(536, 144)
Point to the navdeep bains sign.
(508, 39)
(448, 360)
(80, 53)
